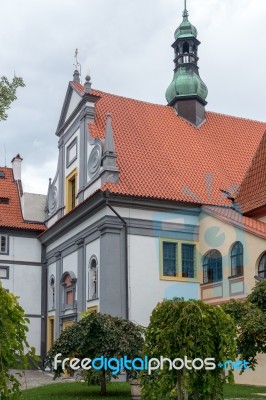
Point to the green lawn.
(120, 391)
(244, 392)
(76, 391)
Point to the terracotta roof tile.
(231, 216)
(11, 214)
(162, 156)
(252, 193)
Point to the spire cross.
(77, 64)
(185, 12)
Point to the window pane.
(3, 273)
(73, 193)
(262, 267)
(212, 267)
(237, 259)
(3, 244)
(169, 259)
(188, 260)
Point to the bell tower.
(187, 92)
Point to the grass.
(120, 391)
(77, 391)
(244, 392)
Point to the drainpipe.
(126, 253)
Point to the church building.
(148, 202)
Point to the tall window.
(188, 260)
(262, 267)
(237, 259)
(71, 190)
(178, 259)
(93, 279)
(186, 47)
(169, 258)
(212, 267)
(73, 193)
(3, 244)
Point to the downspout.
(126, 253)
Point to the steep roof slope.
(10, 209)
(162, 156)
(252, 193)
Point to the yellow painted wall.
(221, 236)
(256, 377)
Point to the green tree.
(14, 348)
(98, 335)
(8, 94)
(194, 329)
(258, 295)
(250, 318)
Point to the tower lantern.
(187, 92)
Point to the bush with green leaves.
(14, 348)
(194, 329)
(250, 318)
(98, 335)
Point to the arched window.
(185, 47)
(93, 278)
(237, 259)
(51, 293)
(212, 267)
(68, 282)
(262, 267)
(185, 52)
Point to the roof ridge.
(165, 105)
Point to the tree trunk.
(103, 384)
(179, 391)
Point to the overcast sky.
(126, 46)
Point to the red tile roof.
(252, 193)
(233, 217)
(11, 214)
(162, 156)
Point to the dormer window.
(2, 175)
(4, 200)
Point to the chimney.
(16, 165)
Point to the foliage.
(95, 336)
(250, 318)
(13, 342)
(8, 94)
(258, 296)
(193, 329)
